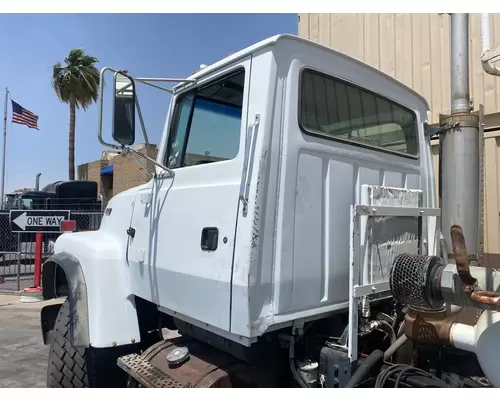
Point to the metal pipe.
(485, 32)
(459, 149)
(37, 181)
(486, 46)
(460, 63)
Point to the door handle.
(209, 239)
(248, 162)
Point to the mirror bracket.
(127, 150)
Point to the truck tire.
(67, 366)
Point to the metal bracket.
(432, 131)
(298, 327)
(358, 287)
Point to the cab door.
(181, 254)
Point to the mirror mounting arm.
(126, 150)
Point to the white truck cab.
(246, 227)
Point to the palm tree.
(76, 84)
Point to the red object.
(38, 259)
(68, 225)
(33, 290)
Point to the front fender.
(96, 282)
(52, 284)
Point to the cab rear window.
(338, 110)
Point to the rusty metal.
(428, 328)
(486, 297)
(144, 374)
(434, 328)
(196, 371)
(206, 367)
(462, 258)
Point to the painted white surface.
(112, 317)
(487, 349)
(481, 339)
(292, 252)
(288, 256)
(176, 273)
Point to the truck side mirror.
(124, 110)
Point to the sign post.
(31, 221)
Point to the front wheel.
(67, 367)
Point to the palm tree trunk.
(71, 148)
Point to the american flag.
(24, 117)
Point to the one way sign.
(37, 220)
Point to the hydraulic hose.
(387, 328)
(374, 360)
(296, 375)
(395, 346)
(293, 368)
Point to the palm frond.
(78, 79)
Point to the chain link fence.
(17, 250)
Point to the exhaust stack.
(37, 181)
(460, 181)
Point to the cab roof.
(271, 41)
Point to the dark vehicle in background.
(62, 195)
(79, 197)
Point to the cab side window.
(207, 123)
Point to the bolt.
(114, 344)
(374, 288)
(468, 289)
(132, 340)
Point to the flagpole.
(4, 144)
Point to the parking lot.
(23, 359)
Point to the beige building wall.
(415, 49)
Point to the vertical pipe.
(485, 32)
(488, 67)
(459, 147)
(37, 181)
(38, 260)
(2, 194)
(460, 63)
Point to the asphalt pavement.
(23, 356)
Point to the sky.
(152, 45)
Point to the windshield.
(26, 203)
(10, 199)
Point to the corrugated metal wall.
(413, 48)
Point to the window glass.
(337, 109)
(207, 124)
